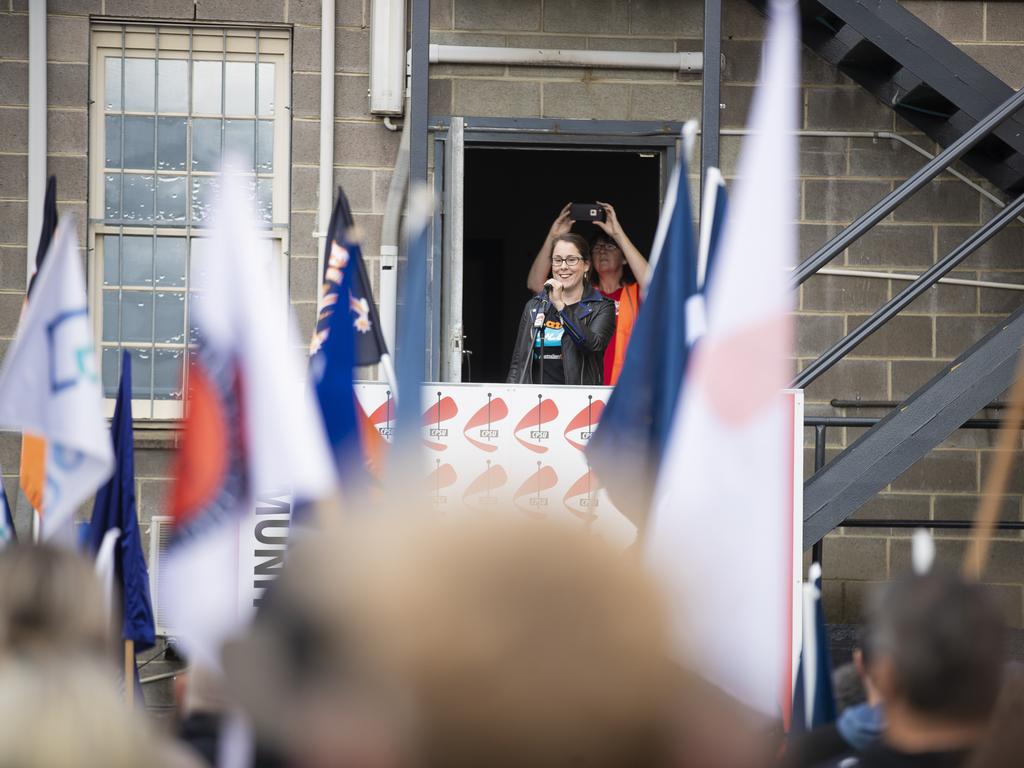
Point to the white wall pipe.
(36, 129)
(842, 272)
(559, 57)
(326, 180)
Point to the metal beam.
(419, 43)
(419, 20)
(711, 109)
(907, 434)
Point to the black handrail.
(901, 300)
(822, 423)
(836, 402)
(891, 201)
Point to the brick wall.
(841, 177)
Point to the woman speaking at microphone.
(565, 328)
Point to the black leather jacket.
(589, 323)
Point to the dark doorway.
(511, 198)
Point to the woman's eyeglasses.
(571, 261)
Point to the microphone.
(547, 288)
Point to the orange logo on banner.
(434, 417)
(442, 477)
(584, 423)
(581, 498)
(532, 491)
(480, 492)
(494, 411)
(384, 414)
(545, 410)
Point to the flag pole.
(387, 367)
(995, 482)
(129, 672)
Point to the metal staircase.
(921, 75)
(977, 118)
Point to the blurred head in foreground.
(936, 655)
(69, 714)
(51, 603)
(1003, 743)
(497, 644)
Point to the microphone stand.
(539, 330)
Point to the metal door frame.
(451, 135)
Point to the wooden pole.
(995, 482)
(129, 672)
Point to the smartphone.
(587, 212)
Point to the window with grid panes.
(169, 105)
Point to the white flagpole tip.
(814, 572)
(421, 207)
(689, 134)
(922, 551)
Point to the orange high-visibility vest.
(629, 306)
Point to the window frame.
(189, 42)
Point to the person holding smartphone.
(565, 328)
(619, 271)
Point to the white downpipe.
(559, 57)
(389, 236)
(326, 181)
(36, 129)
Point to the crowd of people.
(394, 642)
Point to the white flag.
(719, 532)
(252, 408)
(50, 386)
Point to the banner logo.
(383, 419)
(434, 417)
(530, 496)
(442, 477)
(582, 425)
(581, 498)
(480, 430)
(532, 424)
(480, 493)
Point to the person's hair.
(944, 639)
(68, 713)
(486, 643)
(628, 278)
(1003, 744)
(51, 602)
(848, 687)
(576, 240)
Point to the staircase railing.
(883, 208)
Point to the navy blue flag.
(115, 508)
(48, 229)
(412, 316)
(814, 702)
(7, 533)
(626, 448)
(347, 327)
